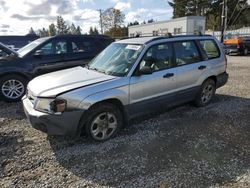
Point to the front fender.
(121, 94)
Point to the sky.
(18, 16)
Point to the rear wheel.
(12, 87)
(103, 121)
(206, 93)
(245, 52)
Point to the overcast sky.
(17, 16)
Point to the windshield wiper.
(96, 69)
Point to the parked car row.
(42, 56)
(129, 78)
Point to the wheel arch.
(113, 101)
(15, 73)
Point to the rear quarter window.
(211, 48)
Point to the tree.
(62, 27)
(43, 32)
(112, 18)
(117, 32)
(52, 30)
(73, 29)
(91, 31)
(96, 32)
(31, 31)
(78, 30)
(211, 9)
(133, 23)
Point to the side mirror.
(145, 70)
(38, 53)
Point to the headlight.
(52, 106)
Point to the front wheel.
(245, 52)
(206, 93)
(103, 122)
(12, 87)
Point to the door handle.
(168, 75)
(202, 67)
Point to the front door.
(149, 91)
(50, 57)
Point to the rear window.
(211, 48)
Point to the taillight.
(238, 46)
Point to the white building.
(183, 25)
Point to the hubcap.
(13, 89)
(207, 93)
(103, 126)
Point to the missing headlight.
(58, 106)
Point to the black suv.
(42, 56)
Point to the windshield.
(26, 49)
(117, 59)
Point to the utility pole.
(101, 24)
(223, 20)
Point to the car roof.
(146, 40)
(75, 36)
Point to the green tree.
(96, 32)
(112, 18)
(31, 31)
(151, 21)
(78, 30)
(43, 32)
(91, 31)
(73, 29)
(117, 32)
(62, 27)
(52, 30)
(133, 23)
(238, 11)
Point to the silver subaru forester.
(129, 78)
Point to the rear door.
(81, 51)
(153, 90)
(190, 67)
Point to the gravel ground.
(183, 147)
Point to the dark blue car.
(42, 56)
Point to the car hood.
(7, 50)
(53, 84)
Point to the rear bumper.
(64, 124)
(222, 79)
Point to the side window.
(186, 53)
(158, 57)
(54, 47)
(47, 49)
(76, 47)
(210, 48)
(88, 46)
(60, 47)
(83, 45)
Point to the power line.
(233, 12)
(236, 18)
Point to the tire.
(103, 121)
(245, 52)
(205, 93)
(12, 87)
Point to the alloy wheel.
(13, 89)
(207, 93)
(103, 126)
